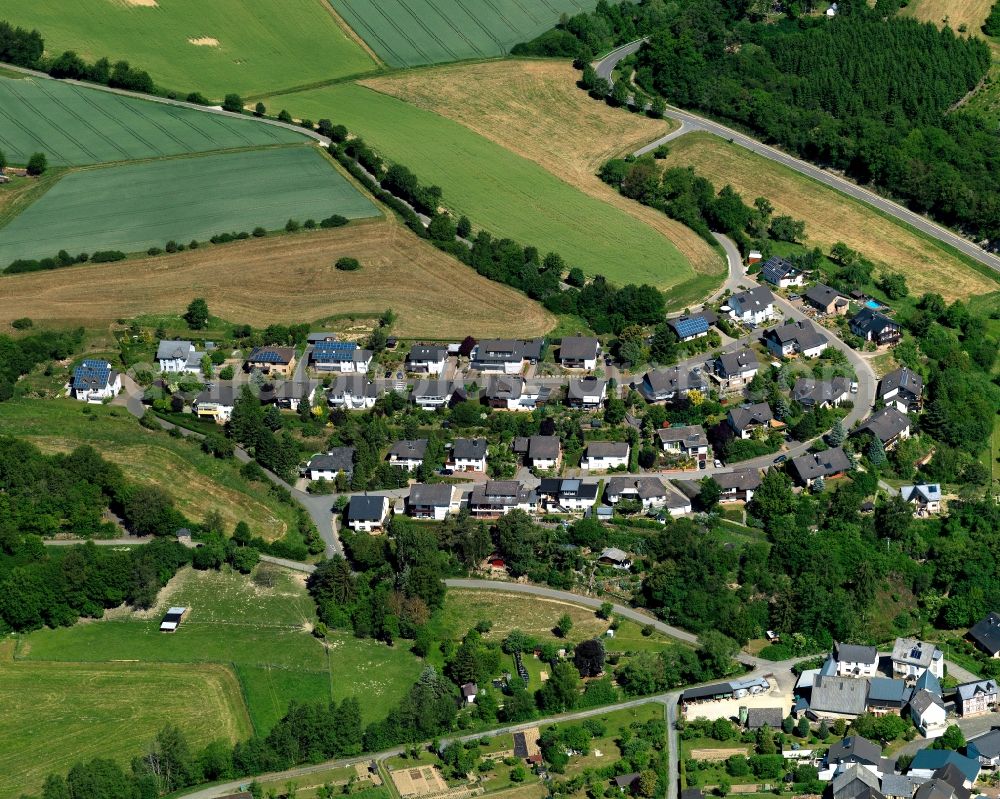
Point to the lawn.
(534, 109)
(198, 482)
(407, 33)
(147, 204)
(499, 191)
(831, 216)
(288, 280)
(74, 125)
(58, 713)
(246, 46)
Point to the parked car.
(854, 387)
(718, 464)
(781, 459)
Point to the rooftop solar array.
(691, 326)
(92, 373)
(334, 350)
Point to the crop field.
(198, 482)
(146, 204)
(502, 192)
(954, 13)
(58, 713)
(75, 126)
(287, 279)
(243, 46)
(831, 216)
(534, 109)
(408, 33)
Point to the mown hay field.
(242, 46)
(74, 125)
(831, 216)
(136, 206)
(56, 714)
(955, 13)
(408, 33)
(501, 192)
(534, 109)
(287, 279)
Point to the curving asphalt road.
(692, 122)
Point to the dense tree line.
(18, 356)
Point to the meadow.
(75, 125)
(287, 279)
(197, 482)
(243, 46)
(146, 204)
(499, 191)
(831, 217)
(408, 33)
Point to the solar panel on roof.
(691, 326)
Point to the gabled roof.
(885, 424)
(811, 466)
(843, 695)
(327, 351)
(504, 388)
(850, 782)
(366, 508)
(276, 355)
(437, 495)
(855, 748)
(427, 352)
(934, 759)
(899, 785)
(928, 682)
(222, 393)
(968, 690)
(615, 554)
(764, 717)
(690, 436)
(987, 744)
(567, 488)
(855, 653)
(756, 299)
(409, 449)
(775, 268)
(580, 389)
(340, 459)
(469, 449)
(986, 633)
(887, 691)
(757, 414)
(803, 334)
(169, 350)
(432, 388)
(355, 385)
(669, 381)
(538, 447)
(740, 479)
(903, 379)
(734, 363)
(870, 321)
(92, 374)
(808, 391)
(579, 348)
(927, 492)
(689, 326)
(923, 700)
(914, 652)
(607, 449)
(822, 295)
(644, 487)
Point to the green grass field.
(136, 206)
(407, 33)
(75, 126)
(500, 191)
(261, 45)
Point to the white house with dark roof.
(855, 661)
(912, 657)
(605, 455)
(754, 307)
(178, 357)
(427, 359)
(353, 392)
(432, 394)
(976, 698)
(925, 498)
(94, 381)
(902, 388)
(562, 495)
(433, 501)
(367, 513)
(216, 404)
(779, 272)
(504, 355)
(747, 418)
(496, 498)
(340, 356)
(688, 441)
(408, 455)
(811, 393)
(587, 393)
(811, 466)
(872, 325)
(827, 300)
(888, 425)
(985, 748)
(738, 485)
(735, 369)
(328, 465)
(986, 634)
(539, 452)
(664, 385)
(468, 455)
(579, 352)
(795, 338)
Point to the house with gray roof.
(854, 749)
(94, 381)
(178, 357)
(827, 300)
(566, 495)
(977, 698)
(579, 352)
(747, 418)
(928, 762)
(888, 425)
(408, 454)
(328, 465)
(427, 359)
(811, 466)
(986, 634)
(871, 325)
(432, 501)
(887, 696)
(736, 486)
(795, 338)
(855, 661)
(496, 498)
(468, 455)
(902, 388)
(687, 441)
(985, 748)
(781, 273)
(735, 369)
(587, 393)
(754, 307)
(666, 385)
(854, 782)
(928, 714)
(431, 394)
(354, 392)
(811, 393)
(925, 498)
(838, 697)
(899, 786)
(758, 717)
(605, 455)
(367, 513)
(216, 403)
(505, 355)
(650, 490)
(911, 658)
(539, 452)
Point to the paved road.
(693, 122)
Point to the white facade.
(218, 412)
(595, 462)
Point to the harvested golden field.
(287, 279)
(535, 110)
(831, 216)
(955, 13)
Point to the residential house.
(911, 658)
(687, 441)
(854, 749)
(514, 394)
(928, 761)
(505, 356)
(758, 717)
(408, 455)
(316, 336)
(178, 357)
(985, 748)
(615, 558)
(605, 455)
(216, 404)
(925, 498)
(272, 360)
(928, 714)
(427, 359)
(340, 356)
(902, 388)
(888, 425)
(353, 392)
(986, 634)
(496, 498)
(688, 328)
(827, 300)
(855, 661)
(588, 393)
(650, 490)
(747, 418)
(539, 452)
(855, 782)
(664, 385)
(735, 369)
(887, 696)
(94, 381)
(469, 692)
(738, 485)
(838, 697)
(795, 338)
(753, 307)
(289, 395)
(566, 495)
(367, 513)
(433, 501)
(976, 698)
(431, 394)
(579, 352)
(900, 786)
(779, 272)
(948, 783)
(811, 393)
(627, 783)
(871, 325)
(811, 466)
(468, 455)
(328, 465)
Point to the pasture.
(503, 193)
(146, 204)
(534, 109)
(408, 33)
(58, 713)
(198, 483)
(287, 280)
(243, 46)
(74, 126)
(831, 216)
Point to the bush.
(347, 264)
(336, 220)
(292, 226)
(233, 103)
(107, 256)
(198, 98)
(37, 164)
(22, 324)
(154, 251)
